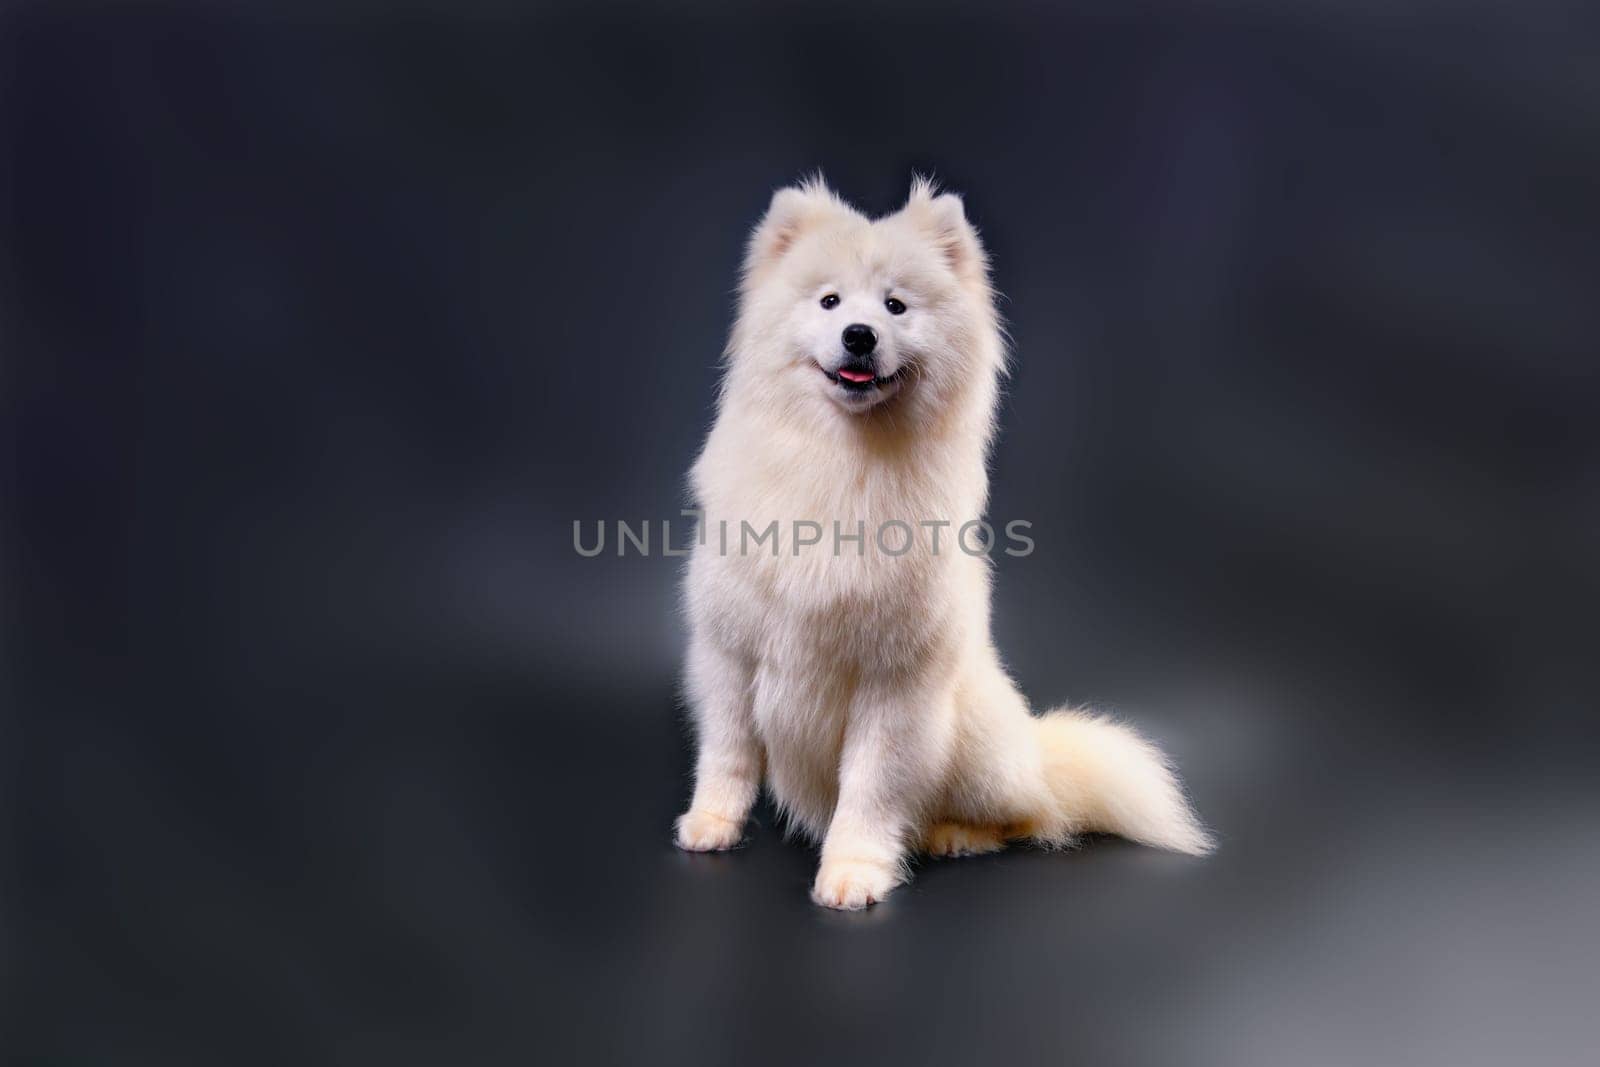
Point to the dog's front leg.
(890, 763)
(727, 771)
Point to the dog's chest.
(826, 559)
(844, 599)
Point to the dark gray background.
(323, 327)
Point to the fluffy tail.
(1105, 778)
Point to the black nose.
(859, 340)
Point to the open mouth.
(859, 379)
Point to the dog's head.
(845, 315)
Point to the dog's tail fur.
(1105, 778)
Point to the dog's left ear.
(791, 213)
(944, 218)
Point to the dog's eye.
(895, 307)
(830, 301)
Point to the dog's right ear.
(943, 217)
(791, 213)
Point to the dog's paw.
(957, 839)
(853, 884)
(705, 831)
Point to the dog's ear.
(792, 211)
(944, 218)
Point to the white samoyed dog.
(846, 659)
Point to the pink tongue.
(854, 375)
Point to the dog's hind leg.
(947, 839)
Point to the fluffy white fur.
(864, 687)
